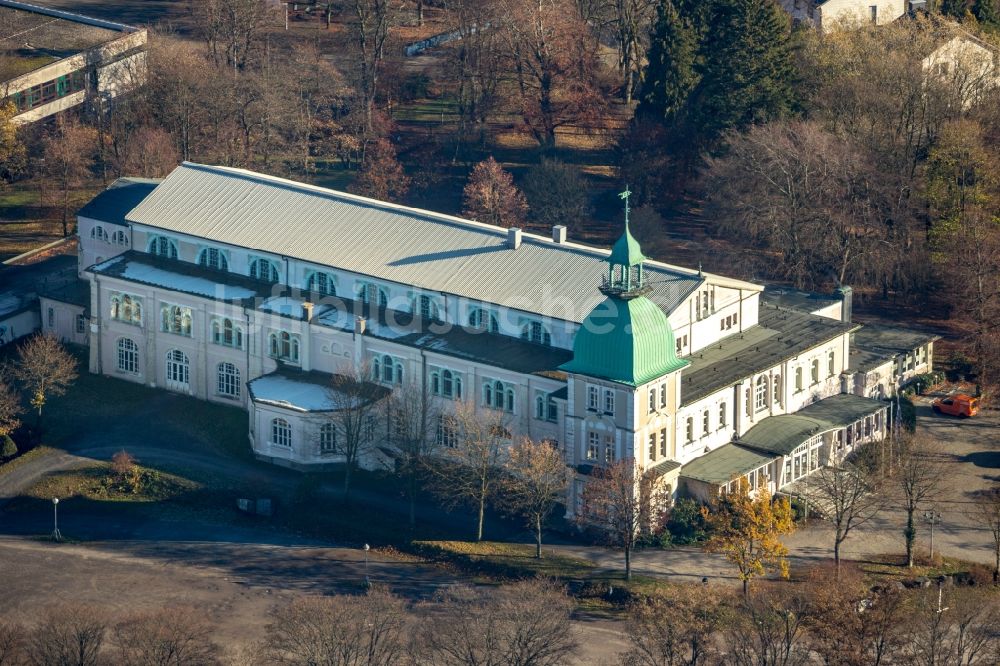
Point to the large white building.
(251, 290)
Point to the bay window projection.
(281, 433)
(126, 308)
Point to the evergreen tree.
(746, 68)
(670, 73)
(986, 12)
(954, 8)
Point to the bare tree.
(552, 59)
(490, 196)
(986, 509)
(468, 469)
(632, 22)
(369, 34)
(12, 639)
(353, 417)
(171, 636)
(522, 624)
(69, 154)
(342, 630)
(676, 627)
(536, 480)
(232, 29)
(45, 369)
(768, 629)
(413, 416)
(955, 628)
(918, 477)
(68, 635)
(620, 502)
(848, 497)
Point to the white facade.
(209, 318)
(831, 15)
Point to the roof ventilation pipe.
(514, 238)
(559, 234)
(307, 311)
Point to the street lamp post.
(932, 517)
(56, 536)
(367, 581)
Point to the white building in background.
(250, 290)
(830, 15)
(52, 60)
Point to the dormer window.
(321, 283)
(371, 294)
(212, 257)
(535, 331)
(423, 306)
(484, 320)
(264, 270)
(162, 246)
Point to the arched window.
(178, 369)
(798, 379)
(831, 362)
(484, 320)
(98, 233)
(328, 438)
(126, 308)
(229, 380)
(321, 283)
(535, 331)
(690, 429)
(162, 246)
(284, 346)
(498, 395)
(371, 294)
(722, 415)
(175, 319)
(425, 308)
(815, 371)
(776, 390)
(760, 393)
(128, 356)
(212, 257)
(281, 433)
(227, 333)
(264, 270)
(120, 238)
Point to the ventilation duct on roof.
(559, 234)
(514, 238)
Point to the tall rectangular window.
(663, 442)
(652, 446)
(593, 398)
(609, 401)
(593, 445)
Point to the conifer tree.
(986, 12)
(746, 68)
(670, 73)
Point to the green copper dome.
(625, 340)
(626, 250)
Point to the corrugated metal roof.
(408, 246)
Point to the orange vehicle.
(960, 405)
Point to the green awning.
(725, 464)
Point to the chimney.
(846, 295)
(514, 238)
(307, 311)
(559, 234)
(360, 324)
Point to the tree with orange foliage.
(490, 196)
(381, 176)
(746, 529)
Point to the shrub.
(126, 475)
(686, 524)
(8, 449)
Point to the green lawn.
(94, 481)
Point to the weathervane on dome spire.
(625, 196)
